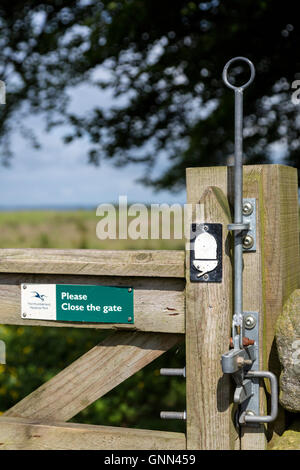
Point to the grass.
(66, 229)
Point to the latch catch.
(206, 252)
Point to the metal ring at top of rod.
(225, 73)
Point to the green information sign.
(77, 303)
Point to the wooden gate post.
(270, 275)
(208, 319)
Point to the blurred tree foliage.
(165, 60)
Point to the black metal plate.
(216, 231)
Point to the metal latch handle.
(263, 374)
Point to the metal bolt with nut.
(250, 322)
(248, 242)
(247, 208)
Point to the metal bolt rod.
(173, 415)
(238, 209)
(238, 194)
(177, 372)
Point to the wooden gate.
(167, 309)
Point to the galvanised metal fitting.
(248, 242)
(250, 322)
(173, 372)
(242, 362)
(247, 208)
(173, 415)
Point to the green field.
(35, 354)
(67, 229)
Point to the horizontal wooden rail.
(158, 302)
(158, 263)
(22, 433)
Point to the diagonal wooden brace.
(94, 374)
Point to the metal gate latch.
(242, 362)
(206, 253)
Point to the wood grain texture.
(93, 375)
(270, 279)
(27, 434)
(208, 321)
(157, 263)
(281, 243)
(281, 261)
(159, 303)
(272, 273)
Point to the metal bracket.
(249, 218)
(206, 253)
(251, 322)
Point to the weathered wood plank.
(156, 263)
(279, 185)
(159, 303)
(270, 279)
(272, 273)
(93, 375)
(208, 321)
(27, 434)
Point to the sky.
(58, 175)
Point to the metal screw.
(206, 228)
(247, 208)
(24, 286)
(129, 319)
(206, 277)
(250, 322)
(250, 413)
(130, 289)
(24, 315)
(248, 242)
